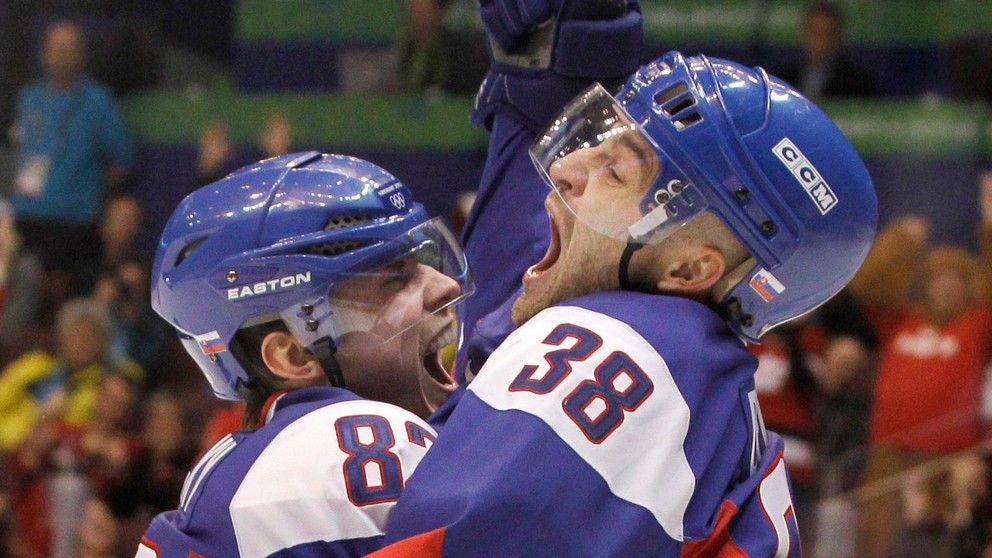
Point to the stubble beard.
(588, 265)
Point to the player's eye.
(615, 176)
(398, 275)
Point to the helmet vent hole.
(677, 102)
(677, 106)
(189, 249)
(331, 249)
(687, 120)
(339, 247)
(339, 222)
(672, 92)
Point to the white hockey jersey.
(320, 478)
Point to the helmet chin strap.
(730, 308)
(624, 265)
(324, 350)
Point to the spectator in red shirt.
(935, 349)
(60, 464)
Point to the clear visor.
(611, 175)
(416, 278)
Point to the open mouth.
(551, 256)
(437, 353)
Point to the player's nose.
(570, 174)
(439, 289)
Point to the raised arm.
(542, 53)
(886, 277)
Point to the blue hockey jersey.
(320, 478)
(618, 424)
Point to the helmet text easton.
(264, 287)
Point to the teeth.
(448, 336)
(436, 372)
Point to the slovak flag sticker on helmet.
(766, 285)
(210, 343)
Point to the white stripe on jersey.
(646, 450)
(295, 491)
(194, 479)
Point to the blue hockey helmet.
(274, 239)
(703, 134)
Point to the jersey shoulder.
(320, 474)
(333, 474)
(659, 317)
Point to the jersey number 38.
(596, 406)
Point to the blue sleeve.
(507, 230)
(28, 140)
(114, 140)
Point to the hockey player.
(701, 205)
(304, 284)
(526, 87)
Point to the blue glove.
(508, 21)
(544, 52)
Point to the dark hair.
(262, 383)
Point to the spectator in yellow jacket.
(40, 385)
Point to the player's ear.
(286, 358)
(691, 271)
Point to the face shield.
(611, 175)
(407, 280)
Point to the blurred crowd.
(101, 411)
(883, 394)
